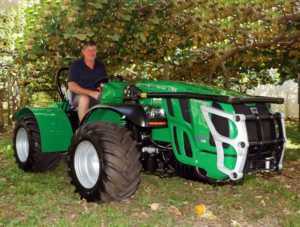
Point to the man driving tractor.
(82, 75)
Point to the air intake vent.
(187, 146)
(170, 107)
(176, 139)
(185, 110)
(221, 125)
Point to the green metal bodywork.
(56, 131)
(54, 125)
(198, 131)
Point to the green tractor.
(164, 127)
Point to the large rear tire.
(27, 147)
(104, 162)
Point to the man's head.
(89, 51)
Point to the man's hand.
(74, 87)
(95, 94)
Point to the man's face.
(90, 53)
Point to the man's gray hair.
(89, 44)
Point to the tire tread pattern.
(37, 161)
(121, 167)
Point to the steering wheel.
(106, 80)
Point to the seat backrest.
(70, 96)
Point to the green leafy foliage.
(194, 37)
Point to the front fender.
(54, 125)
(112, 112)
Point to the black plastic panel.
(187, 146)
(170, 107)
(176, 140)
(185, 110)
(221, 124)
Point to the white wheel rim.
(22, 145)
(87, 164)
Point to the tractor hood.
(180, 86)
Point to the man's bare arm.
(74, 87)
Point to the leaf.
(234, 223)
(67, 35)
(123, 51)
(115, 37)
(80, 36)
(124, 16)
(33, 57)
(134, 29)
(143, 37)
(37, 48)
(104, 1)
(79, 2)
(154, 206)
(90, 34)
(136, 47)
(175, 210)
(49, 27)
(106, 19)
(155, 20)
(76, 7)
(123, 39)
(98, 5)
(262, 203)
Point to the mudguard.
(54, 125)
(113, 112)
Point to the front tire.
(27, 147)
(104, 162)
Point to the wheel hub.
(22, 145)
(87, 164)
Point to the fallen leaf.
(262, 203)
(79, 202)
(201, 189)
(154, 206)
(275, 192)
(209, 215)
(235, 223)
(143, 213)
(287, 186)
(175, 210)
(298, 212)
(185, 183)
(292, 169)
(200, 209)
(191, 184)
(258, 197)
(237, 196)
(185, 202)
(279, 203)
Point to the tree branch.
(287, 17)
(245, 48)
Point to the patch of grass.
(47, 199)
(41, 99)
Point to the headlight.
(159, 112)
(154, 112)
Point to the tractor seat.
(68, 96)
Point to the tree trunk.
(23, 97)
(226, 76)
(9, 101)
(1, 109)
(15, 101)
(166, 71)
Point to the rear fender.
(54, 125)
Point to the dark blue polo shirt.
(84, 76)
